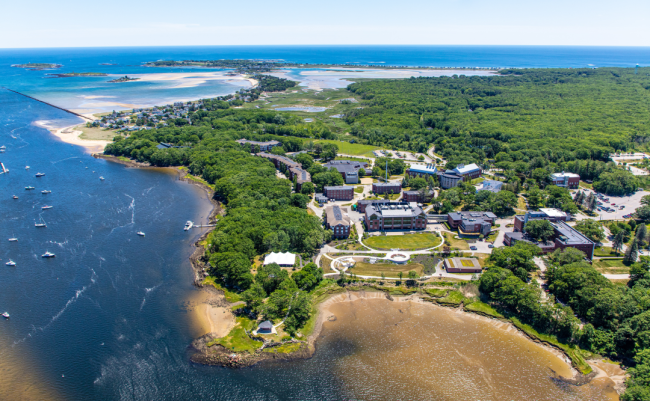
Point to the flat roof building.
(349, 169)
(395, 216)
(564, 236)
(418, 170)
(387, 187)
(549, 214)
(566, 180)
(471, 223)
(339, 192)
(463, 265)
(490, 185)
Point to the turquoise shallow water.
(107, 318)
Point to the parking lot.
(629, 203)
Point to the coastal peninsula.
(315, 223)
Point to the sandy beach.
(210, 312)
(338, 77)
(71, 136)
(192, 79)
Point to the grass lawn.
(454, 298)
(230, 296)
(237, 340)
(407, 241)
(359, 189)
(457, 243)
(611, 266)
(605, 251)
(95, 133)
(354, 149)
(325, 264)
(482, 308)
(521, 203)
(585, 185)
(283, 349)
(389, 269)
(437, 292)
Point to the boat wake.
(146, 292)
(77, 295)
(131, 207)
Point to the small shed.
(266, 327)
(463, 265)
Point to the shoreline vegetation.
(125, 78)
(209, 350)
(260, 66)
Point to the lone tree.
(641, 234)
(539, 229)
(632, 252)
(619, 240)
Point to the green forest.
(520, 120)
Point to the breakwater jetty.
(49, 104)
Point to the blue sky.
(70, 23)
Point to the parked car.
(473, 248)
(490, 246)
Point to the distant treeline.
(521, 120)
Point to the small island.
(38, 66)
(77, 74)
(125, 78)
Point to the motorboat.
(47, 207)
(101, 178)
(13, 239)
(10, 263)
(188, 225)
(6, 315)
(48, 255)
(140, 233)
(46, 191)
(15, 197)
(40, 174)
(41, 224)
(29, 188)
(26, 167)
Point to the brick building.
(339, 192)
(417, 196)
(463, 265)
(337, 221)
(395, 216)
(472, 222)
(387, 187)
(566, 180)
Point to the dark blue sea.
(111, 316)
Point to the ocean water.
(108, 317)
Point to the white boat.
(29, 188)
(188, 225)
(41, 224)
(15, 197)
(101, 178)
(6, 315)
(46, 191)
(26, 167)
(140, 233)
(13, 239)
(40, 174)
(47, 207)
(10, 263)
(48, 255)
(3, 147)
